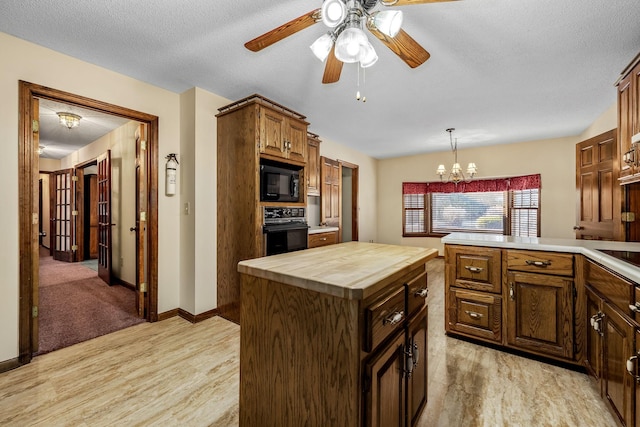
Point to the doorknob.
(578, 227)
(133, 229)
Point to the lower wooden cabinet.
(317, 240)
(476, 314)
(540, 314)
(417, 377)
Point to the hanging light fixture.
(456, 174)
(346, 19)
(69, 120)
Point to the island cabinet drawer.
(559, 264)
(383, 317)
(476, 268)
(323, 239)
(615, 289)
(476, 314)
(416, 294)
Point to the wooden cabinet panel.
(618, 346)
(385, 397)
(296, 141)
(331, 193)
(272, 133)
(317, 240)
(540, 262)
(383, 318)
(418, 379)
(417, 292)
(474, 313)
(593, 353)
(619, 292)
(313, 165)
(540, 314)
(475, 268)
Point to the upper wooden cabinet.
(313, 164)
(331, 197)
(282, 135)
(629, 119)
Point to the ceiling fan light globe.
(333, 12)
(349, 44)
(322, 46)
(388, 22)
(368, 55)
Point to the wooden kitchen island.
(334, 336)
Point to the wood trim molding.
(196, 318)
(168, 314)
(10, 364)
(28, 166)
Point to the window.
(509, 206)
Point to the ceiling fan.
(345, 40)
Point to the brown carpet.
(76, 305)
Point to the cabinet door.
(313, 168)
(618, 385)
(331, 196)
(385, 391)
(417, 364)
(272, 133)
(540, 313)
(593, 356)
(296, 140)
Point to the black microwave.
(279, 183)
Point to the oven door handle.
(276, 229)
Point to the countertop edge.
(588, 248)
(367, 286)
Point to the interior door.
(104, 217)
(62, 214)
(599, 194)
(331, 193)
(141, 223)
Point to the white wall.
(554, 159)
(25, 61)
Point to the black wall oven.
(285, 230)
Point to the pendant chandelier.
(69, 120)
(456, 175)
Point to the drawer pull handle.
(324, 239)
(538, 263)
(596, 320)
(474, 315)
(635, 307)
(473, 269)
(393, 318)
(512, 292)
(422, 293)
(631, 367)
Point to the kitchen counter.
(322, 229)
(352, 270)
(588, 248)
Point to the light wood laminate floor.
(174, 373)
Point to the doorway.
(349, 197)
(29, 205)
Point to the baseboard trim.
(167, 315)
(195, 318)
(121, 282)
(10, 364)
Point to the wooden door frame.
(355, 186)
(28, 167)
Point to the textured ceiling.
(500, 71)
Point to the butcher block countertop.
(353, 270)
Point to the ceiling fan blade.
(332, 69)
(404, 46)
(283, 31)
(407, 2)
